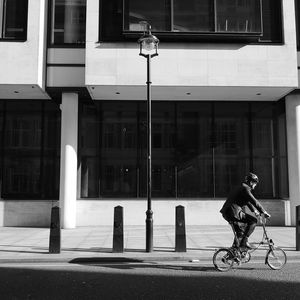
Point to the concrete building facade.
(73, 109)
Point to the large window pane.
(13, 19)
(155, 12)
(118, 162)
(163, 150)
(89, 139)
(193, 15)
(297, 7)
(30, 150)
(194, 155)
(238, 16)
(68, 21)
(50, 150)
(272, 21)
(263, 147)
(176, 20)
(22, 150)
(199, 149)
(231, 145)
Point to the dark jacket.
(237, 200)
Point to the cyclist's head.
(251, 179)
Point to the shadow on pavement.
(140, 283)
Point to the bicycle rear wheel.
(276, 258)
(223, 259)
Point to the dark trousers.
(244, 226)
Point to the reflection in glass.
(199, 149)
(155, 12)
(193, 15)
(30, 150)
(13, 19)
(194, 156)
(230, 146)
(264, 148)
(68, 21)
(238, 16)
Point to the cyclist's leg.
(238, 228)
(250, 222)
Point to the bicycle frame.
(225, 258)
(265, 238)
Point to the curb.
(123, 259)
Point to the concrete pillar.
(68, 165)
(293, 152)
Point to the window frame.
(112, 32)
(215, 34)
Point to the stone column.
(293, 152)
(68, 165)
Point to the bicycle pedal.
(243, 254)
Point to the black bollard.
(118, 237)
(55, 231)
(298, 228)
(180, 236)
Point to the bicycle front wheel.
(276, 258)
(223, 260)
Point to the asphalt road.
(136, 280)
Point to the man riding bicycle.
(233, 209)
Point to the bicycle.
(225, 258)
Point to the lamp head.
(148, 42)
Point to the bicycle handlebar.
(263, 218)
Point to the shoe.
(245, 244)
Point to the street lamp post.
(148, 49)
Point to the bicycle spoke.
(223, 260)
(276, 258)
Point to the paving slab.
(95, 242)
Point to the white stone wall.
(197, 64)
(197, 212)
(24, 62)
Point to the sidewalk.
(32, 244)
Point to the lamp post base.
(149, 231)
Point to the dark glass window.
(175, 20)
(199, 149)
(30, 150)
(156, 10)
(194, 155)
(297, 7)
(269, 151)
(109, 139)
(163, 150)
(13, 19)
(238, 16)
(231, 153)
(193, 16)
(272, 21)
(68, 22)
